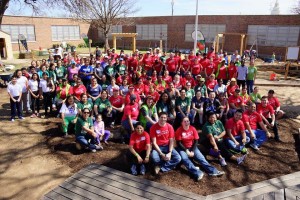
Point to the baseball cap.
(132, 97)
(148, 52)
(233, 79)
(131, 87)
(115, 89)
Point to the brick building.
(269, 32)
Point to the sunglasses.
(86, 112)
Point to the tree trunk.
(3, 7)
(106, 45)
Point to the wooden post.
(133, 43)
(223, 40)
(242, 44)
(217, 44)
(90, 46)
(287, 70)
(161, 45)
(114, 42)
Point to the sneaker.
(156, 169)
(241, 159)
(133, 170)
(78, 146)
(142, 170)
(223, 162)
(254, 146)
(218, 173)
(213, 153)
(197, 168)
(244, 151)
(99, 147)
(33, 116)
(12, 120)
(21, 118)
(93, 150)
(200, 177)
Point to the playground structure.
(243, 42)
(132, 35)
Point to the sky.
(188, 7)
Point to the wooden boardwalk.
(100, 182)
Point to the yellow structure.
(222, 35)
(132, 35)
(5, 46)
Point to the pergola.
(222, 35)
(132, 35)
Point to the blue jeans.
(166, 165)
(260, 135)
(231, 145)
(250, 84)
(84, 141)
(198, 156)
(126, 126)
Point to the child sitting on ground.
(99, 128)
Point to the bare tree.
(102, 14)
(296, 8)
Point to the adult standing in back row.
(242, 72)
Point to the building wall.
(43, 32)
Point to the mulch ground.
(273, 160)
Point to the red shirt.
(232, 71)
(252, 118)
(155, 96)
(236, 127)
(139, 89)
(78, 90)
(171, 64)
(223, 73)
(274, 102)
(231, 89)
(210, 68)
(237, 101)
(185, 64)
(187, 137)
(163, 134)
(132, 110)
(63, 91)
(116, 101)
(192, 57)
(147, 61)
(139, 141)
(196, 69)
(191, 80)
(168, 79)
(211, 84)
(133, 62)
(265, 111)
(158, 67)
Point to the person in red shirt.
(192, 55)
(235, 137)
(211, 53)
(130, 116)
(251, 119)
(235, 102)
(166, 77)
(78, 90)
(267, 113)
(172, 65)
(152, 92)
(164, 156)
(196, 68)
(274, 102)
(209, 67)
(185, 65)
(117, 103)
(232, 70)
(222, 72)
(147, 63)
(139, 149)
(158, 66)
(133, 63)
(129, 93)
(187, 140)
(232, 87)
(139, 88)
(211, 82)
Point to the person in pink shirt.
(210, 83)
(99, 129)
(72, 70)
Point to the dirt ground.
(35, 158)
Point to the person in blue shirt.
(86, 71)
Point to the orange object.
(272, 76)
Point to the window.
(15, 30)
(273, 35)
(209, 31)
(60, 33)
(152, 31)
(114, 29)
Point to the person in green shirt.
(84, 103)
(183, 106)
(190, 93)
(61, 71)
(110, 70)
(213, 132)
(148, 113)
(84, 131)
(103, 106)
(120, 68)
(251, 76)
(255, 96)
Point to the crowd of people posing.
(160, 101)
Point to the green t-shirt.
(202, 89)
(184, 104)
(255, 97)
(215, 129)
(61, 72)
(121, 69)
(83, 123)
(252, 70)
(102, 104)
(190, 94)
(87, 105)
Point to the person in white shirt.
(242, 74)
(15, 93)
(68, 113)
(23, 82)
(33, 87)
(46, 86)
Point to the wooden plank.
(46, 198)
(117, 184)
(138, 185)
(106, 187)
(69, 194)
(125, 176)
(88, 190)
(279, 194)
(295, 187)
(292, 194)
(56, 196)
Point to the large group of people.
(160, 100)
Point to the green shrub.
(82, 45)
